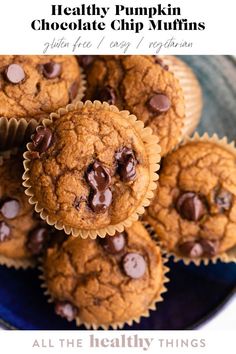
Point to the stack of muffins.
(91, 214)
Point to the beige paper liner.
(227, 256)
(153, 152)
(83, 87)
(17, 131)
(117, 325)
(191, 89)
(6, 261)
(17, 263)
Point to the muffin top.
(22, 234)
(33, 86)
(144, 86)
(90, 168)
(105, 281)
(194, 209)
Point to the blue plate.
(194, 293)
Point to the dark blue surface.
(194, 293)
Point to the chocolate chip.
(210, 247)
(99, 179)
(199, 248)
(37, 240)
(159, 103)
(5, 231)
(223, 200)
(191, 249)
(161, 63)
(42, 139)
(114, 244)
(106, 94)
(128, 170)
(85, 60)
(14, 73)
(190, 206)
(10, 208)
(97, 302)
(134, 265)
(98, 176)
(126, 164)
(66, 310)
(73, 90)
(51, 70)
(100, 201)
(77, 202)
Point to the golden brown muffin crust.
(36, 95)
(133, 81)
(59, 176)
(84, 274)
(196, 199)
(15, 224)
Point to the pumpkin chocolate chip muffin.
(91, 169)
(22, 235)
(193, 96)
(145, 87)
(194, 209)
(34, 86)
(105, 282)
(31, 87)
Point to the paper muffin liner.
(153, 152)
(227, 256)
(6, 261)
(117, 325)
(191, 89)
(82, 88)
(16, 132)
(17, 263)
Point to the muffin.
(91, 169)
(143, 86)
(194, 209)
(105, 282)
(192, 91)
(22, 234)
(31, 87)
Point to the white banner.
(125, 342)
(117, 27)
